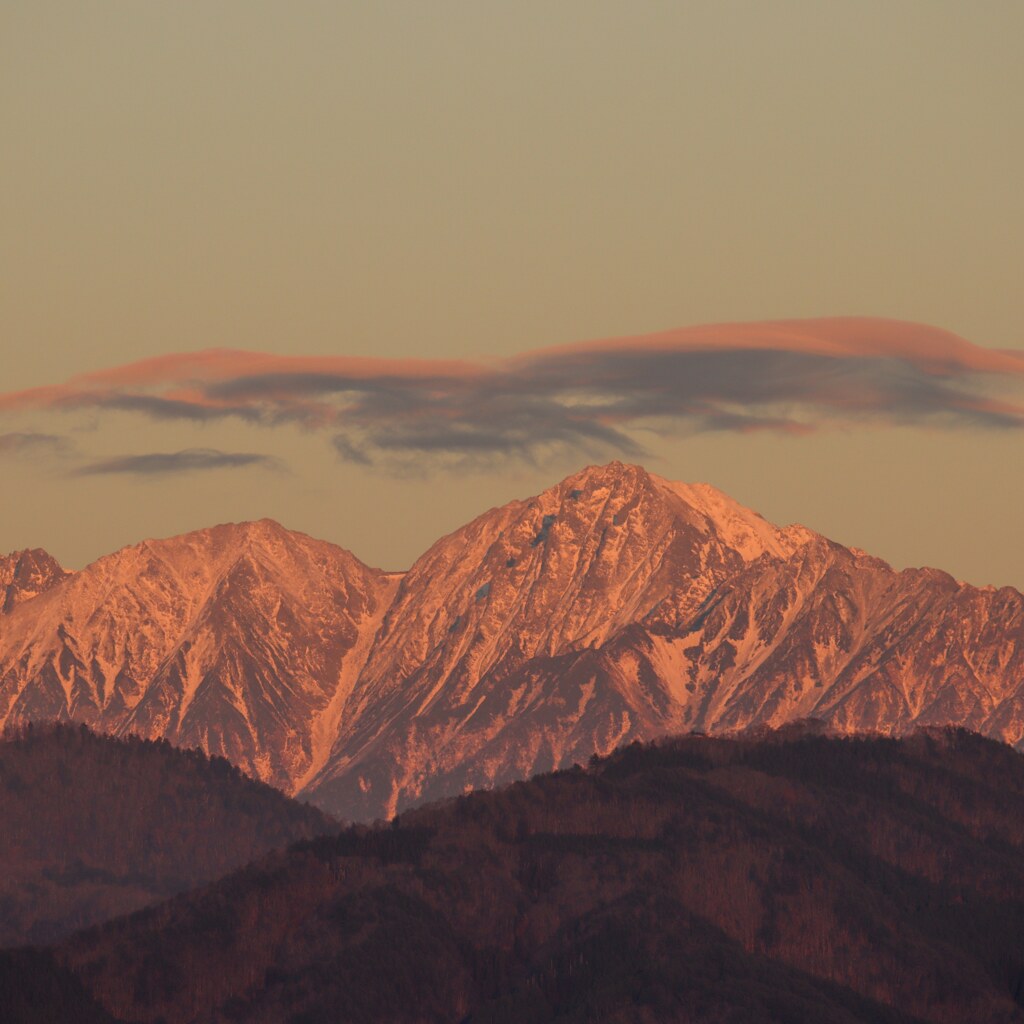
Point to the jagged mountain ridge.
(235, 639)
(521, 586)
(706, 618)
(614, 606)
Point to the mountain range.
(614, 606)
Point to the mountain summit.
(235, 639)
(26, 574)
(614, 606)
(471, 663)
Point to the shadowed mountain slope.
(92, 827)
(786, 878)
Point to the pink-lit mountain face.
(237, 639)
(26, 574)
(614, 606)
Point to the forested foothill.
(93, 826)
(789, 877)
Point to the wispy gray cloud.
(187, 461)
(472, 429)
(596, 398)
(29, 443)
(159, 408)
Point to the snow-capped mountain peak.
(27, 574)
(233, 638)
(745, 531)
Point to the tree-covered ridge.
(92, 826)
(786, 878)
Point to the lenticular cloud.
(596, 397)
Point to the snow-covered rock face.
(561, 572)
(236, 639)
(27, 574)
(565, 571)
(620, 606)
(614, 606)
(544, 578)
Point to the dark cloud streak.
(29, 443)
(186, 461)
(159, 408)
(597, 401)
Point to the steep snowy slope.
(645, 607)
(531, 583)
(26, 574)
(839, 636)
(241, 639)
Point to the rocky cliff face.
(26, 574)
(614, 606)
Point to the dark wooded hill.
(781, 879)
(92, 826)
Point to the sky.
(371, 269)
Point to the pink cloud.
(931, 349)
